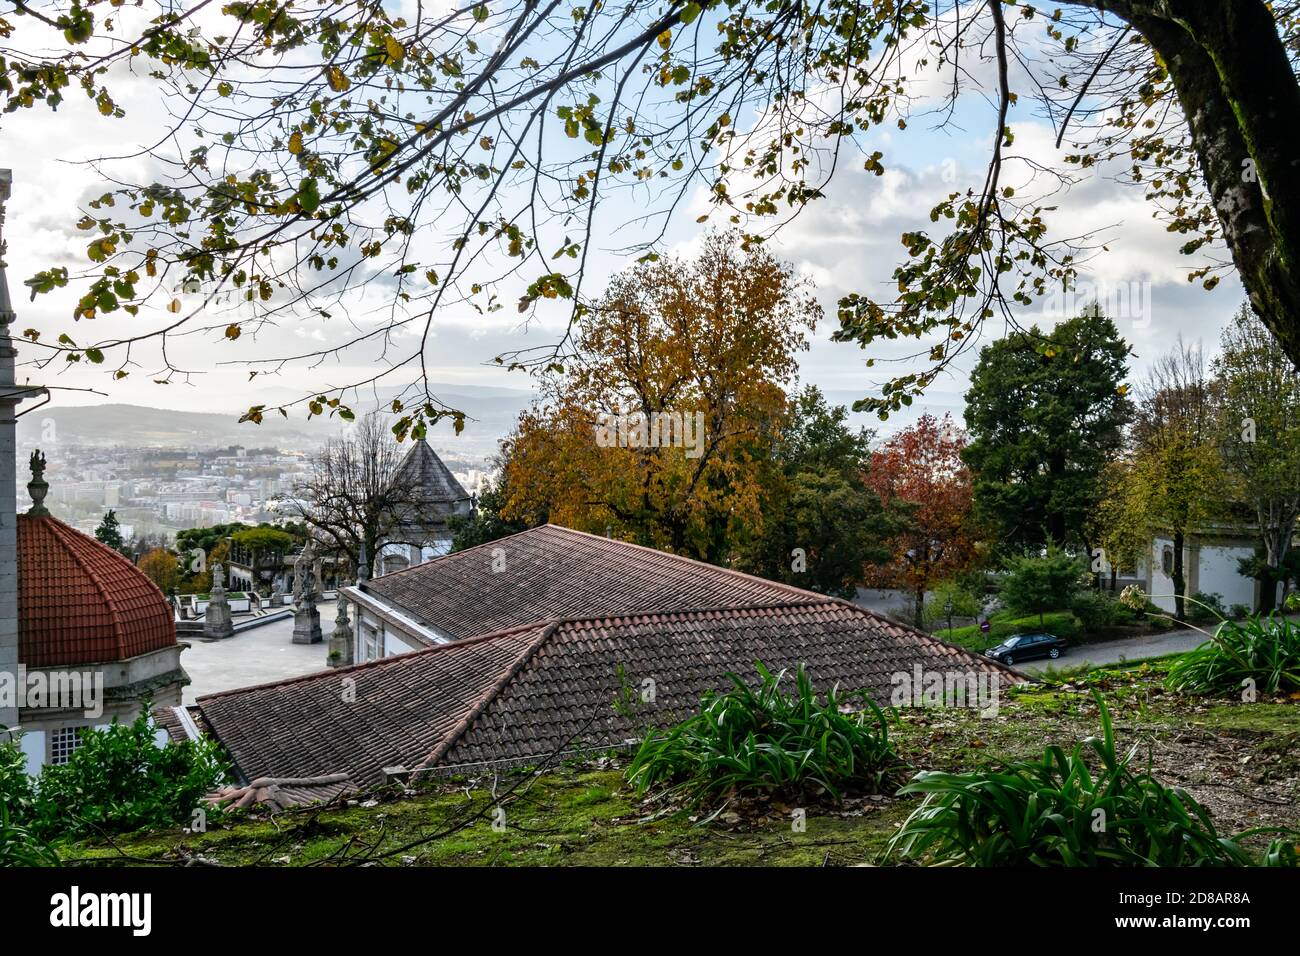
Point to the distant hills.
(492, 414)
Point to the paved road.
(1115, 652)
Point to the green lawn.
(1004, 624)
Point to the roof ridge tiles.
(711, 611)
(730, 572)
(486, 698)
(453, 554)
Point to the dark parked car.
(1026, 647)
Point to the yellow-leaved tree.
(661, 428)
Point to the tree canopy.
(309, 150)
(109, 532)
(1045, 411)
(1036, 584)
(822, 526)
(1258, 394)
(921, 470)
(663, 430)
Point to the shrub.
(1097, 611)
(1040, 584)
(16, 791)
(964, 603)
(1206, 607)
(119, 780)
(1046, 812)
(763, 740)
(19, 846)
(1239, 611)
(1263, 651)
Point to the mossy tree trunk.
(1241, 99)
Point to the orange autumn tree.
(660, 429)
(922, 466)
(162, 568)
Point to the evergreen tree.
(1045, 412)
(109, 532)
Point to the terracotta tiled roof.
(552, 572)
(573, 674)
(80, 602)
(390, 712)
(519, 696)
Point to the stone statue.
(306, 619)
(303, 569)
(217, 623)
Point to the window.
(1167, 560)
(63, 742)
(371, 643)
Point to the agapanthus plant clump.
(1255, 655)
(778, 738)
(1087, 806)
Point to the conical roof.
(428, 478)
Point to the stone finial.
(38, 487)
(363, 566)
(340, 653)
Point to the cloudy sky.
(848, 241)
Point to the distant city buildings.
(157, 492)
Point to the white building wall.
(1162, 585)
(1219, 575)
(33, 746)
(395, 642)
(373, 637)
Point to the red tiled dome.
(80, 602)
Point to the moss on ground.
(1237, 758)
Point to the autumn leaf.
(337, 79)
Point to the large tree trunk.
(1241, 100)
(1276, 525)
